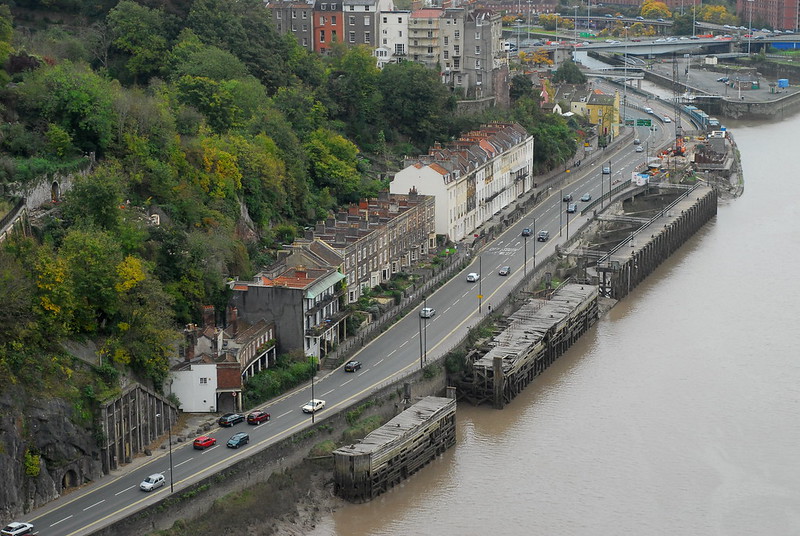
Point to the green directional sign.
(629, 122)
(644, 122)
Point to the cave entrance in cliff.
(70, 480)
(55, 192)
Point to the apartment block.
(473, 177)
(379, 237)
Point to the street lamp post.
(575, 21)
(534, 244)
(480, 284)
(750, 27)
(313, 373)
(169, 427)
(559, 213)
(425, 332)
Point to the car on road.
(723, 79)
(639, 18)
(472, 277)
(567, 198)
(639, 149)
(204, 442)
(427, 312)
(314, 405)
(660, 19)
(238, 440)
(759, 37)
(572, 207)
(504, 270)
(257, 417)
(154, 481)
(526, 232)
(666, 119)
(586, 197)
(606, 171)
(637, 141)
(544, 236)
(229, 419)
(18, 529)
(352, 366)
(648, 110)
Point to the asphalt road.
(391, 355)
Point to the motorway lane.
(392, 354)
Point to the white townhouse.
(393, 37)
(473, 177)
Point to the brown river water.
(677, 414)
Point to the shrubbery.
(288, 372)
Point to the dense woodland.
(237, 136)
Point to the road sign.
(644, 122)
(480, 296)
(629, 122)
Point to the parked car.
(152, 482)
(544, 236)
(472, 277)
(229, 419)
(586, 197)
(314, 405)
(352, 366)
(257, 417)
(526, 232)
(427, 312)
(238, 440)
(722, 79)
(567, 198)
(18, 529)
(204, 442)
(505, 270)
(572, 207)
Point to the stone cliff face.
(69, 454)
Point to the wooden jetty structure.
(396, 450)
(537, 334)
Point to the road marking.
(327, 392)
(284, 414)
(61, 521)
(446, 310)
(123, 491)
(209, 448)
(361, 374)
(458, 300)
(405, 343)
(379, 362)
(465, 294)
(185, 461)
(95, 504)
(390, 353)
(345, 383)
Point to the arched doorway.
(55, 192)
(70, 480)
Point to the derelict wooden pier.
(536, 335)
(396, 450)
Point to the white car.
(472, 277)
(18, 529)
(667, 119)
(427, 312)
(152, 482)
(314, 405)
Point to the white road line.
(327, 392)
(61, 521)
(95, 504)
(379, 362)
(390, 353)
(123, 491)
(185, 461)
(405, 343)
(465, 294)
(284, 414)
(345, 383)
(446, 310)
(458, 300)
(209, 448)
(362, 373)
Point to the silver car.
(152, 482)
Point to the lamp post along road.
(750, 27)
(313, 373)
(169, 428)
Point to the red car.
(257, 417)
(203, 442)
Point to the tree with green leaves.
(333, 164)
(141, 33)
(570, 73)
